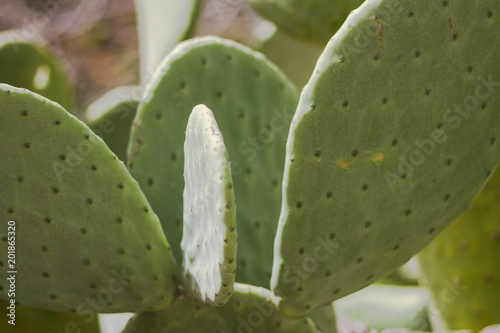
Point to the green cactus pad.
(111, 116)
(394, 135)
(209, 239)
(462, 265)
(250, 309)
(30, 65)
(161, 25)
(312, 20)
(252, 102)
(86, 238)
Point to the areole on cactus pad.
(394, 135)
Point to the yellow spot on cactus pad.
(378, 158)
(344, 165)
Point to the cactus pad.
(462, 265)
(250, 309)
(312, 20)
(209, 239)
(30, 65)
(252, 103)
(394, 135)
(111, 116)
(161, 25)
(86, 237)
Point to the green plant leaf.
(86, 239)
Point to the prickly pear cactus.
(250, 309)
(111, 116)
(372, 167)
(209, 238)
(312, 20)
(84, 232)
(252, 102)
(29, 65)
(462, 266)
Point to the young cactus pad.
(463, 264)
(161, 25)
(85, 233)
(393, 137)
(209, 239)
(29, 65)
(312, 20)
(250, 309)
(111, 116)
(253, 103)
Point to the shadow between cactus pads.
(394, 135)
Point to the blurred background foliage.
(97, 39)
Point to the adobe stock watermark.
(253, 144)
(265, 309)
(454, 117)
(324, 250)
(72, 157)
(372, 33)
